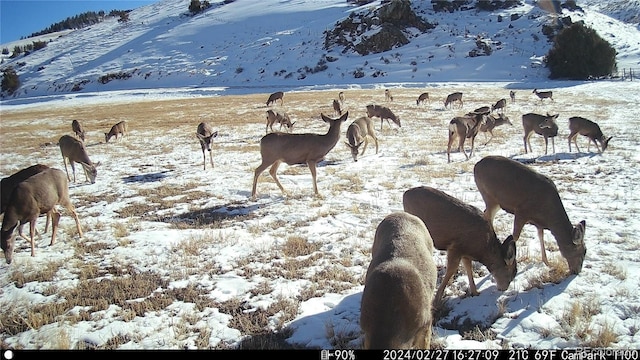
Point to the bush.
(579, 53)
(10, 81)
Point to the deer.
(543, 94)
(422, 98)
(491, 122)
(281, 118)
(336, 107)
(544, 125)
(387, 95)
(532, 198)
(119, 129)
(273, 98)
(462, 231)
(73, 150)
(309, 148)
(8, 184)
(383, 113)
(396, 305)
(462, 128)
(358, 133)
(38, 194)
(499, 106)
(512, 95)
(77, 129)
(205, 135)
(341, 97)
(588, 128)
(453, 97)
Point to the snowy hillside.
(246, 46)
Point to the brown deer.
(395, 310)
(281, 118)
(588, 128)
(491, 122)
(73, 150)
(512, 95)
(358, 133)
(543, 94)
(119, 129)
(309, 148)
(532, 198)
(336, 107)
(341, 97)
(9, 183)
(541, 125)
(273, 98)
(383, 113)
(499, 106)
(462, 231)
(462, 128)
(205, 135)
(38, 194)
(454, 97)
(422, 98)
(77, 129)
(387, 95)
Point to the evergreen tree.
(10, 81)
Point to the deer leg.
(55, 220)
(211, 158)
(461, 146)
(273, 171)
(312, 168)
(73, 169)
(65, 167)
(472, 284)
(257, 173)
(452, 266)
(473, 140)
(74, 214)
(542, 250)
(32, 233)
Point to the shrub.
(10, 80)
(579, 53)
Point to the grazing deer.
(465, 234)
(119, 129)
(499, 106)
(74, 151)
(282, 119)
(532, 198)
(395, 310)
(359, 132)
(205, 135)
(541, 125)
(387, 95)
(422, 98)
(278, 147)
(462, 128)
(512, 95)
(38, 194)
(543, 94)
(588, 128)
(491, 122)
(454, 97)
(383, 113)
(279, 95)
(341, 97)
(336, 107)
(8, 184)
(78, 129)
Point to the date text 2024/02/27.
(487, 354)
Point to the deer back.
(279, 95)
(74, 150)
(8, 184)
(532, 122)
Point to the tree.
(10, 80)
(579, 53)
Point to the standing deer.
(387, 95)
(74, 151)
(8, 184)
(532, 198)
(205, 135)
(588, 128)
(422, 98)
(462, 128)
(341, 97)
(541, 125)
(512, 95)
(454, 97)
(278, 147)
(78, 129)
(336, 107)
(357, 133)
(499, 106)
(491, 122)
(279, 95)
(282, 119)
(383, 113)
(465, 234)
(395, 310)
(38, 194)
(543, 94)
(119, 129)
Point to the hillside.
(245, 47)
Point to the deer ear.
(215, 134)
(510, 250)
(578, 233)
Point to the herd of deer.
(400, 284)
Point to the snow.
(198, 59)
